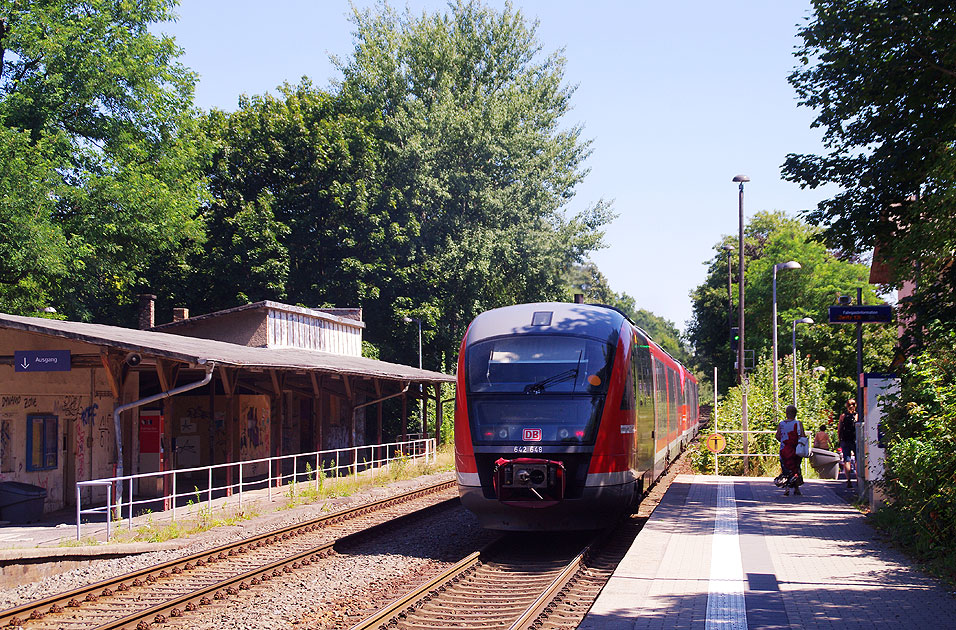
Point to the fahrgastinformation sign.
(859, 314)
(41, 360)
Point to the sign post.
(859, 314)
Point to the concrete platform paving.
(734, 553)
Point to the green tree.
(772, 238)
(881, 77)
(33, 248)
(94, 105)
(476, 161)
(588, 280)
(295, 212)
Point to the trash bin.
(21, 502)
(826, 463)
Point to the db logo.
(531, 435)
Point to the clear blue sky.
(678, 97)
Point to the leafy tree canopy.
(882, 79)
(771, 238)
(477, 162)
(92, 104)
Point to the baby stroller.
(789, 480)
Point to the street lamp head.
(819, 369)
(741, 179)
(787, 265)
(727, 248)
(407, 320)
(805, 320)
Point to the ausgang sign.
(41, 360)
(858, 314)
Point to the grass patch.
(205, 520)
(86, 541)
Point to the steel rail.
(528, 617)
(385, 614)
(14, 617)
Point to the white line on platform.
(726, 609)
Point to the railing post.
(174, 496)
(210, 489)
(78, 512)
(109, 509)
(130, 527)
(270, 478)
(318, 460)
(240, 486)
(355, 454)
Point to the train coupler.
(529, 482)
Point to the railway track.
(494, 588)
(521, 581)
(515, 583)
(147, 598)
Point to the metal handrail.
(333, 463)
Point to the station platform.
(734, 553)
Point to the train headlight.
(563, 434)
(503, 433)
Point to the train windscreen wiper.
(540, 386)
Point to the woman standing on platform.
(847, 434)
(788, 432)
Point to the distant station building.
(282, 380)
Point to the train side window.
(627, 396)
(672, 386)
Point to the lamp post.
(421, 405)
(730, 299)
(787, 265)
(742, 179)
(805, 320)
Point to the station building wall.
(56, 428)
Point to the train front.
(532, 384)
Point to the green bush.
(920, 473)
(813, 406)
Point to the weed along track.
(171, 591)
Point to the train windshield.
(537, 389)
(539, 365)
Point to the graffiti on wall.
(254, 431)
(6, 446)
(220, 436)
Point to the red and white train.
(564, 416)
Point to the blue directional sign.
(859, 314)
(41, 360)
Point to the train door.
(672, 435)
(644, 401)
(660, 417)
